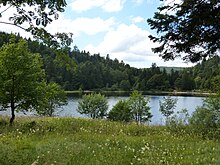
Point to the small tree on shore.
(167, 106)
(54, 98)
(93, 105)
(139, 108)
(206, 118)
(121, 112)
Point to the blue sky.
(115, 27)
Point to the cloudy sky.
(115, 27)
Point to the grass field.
(47, 141)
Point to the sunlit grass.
(84, 141)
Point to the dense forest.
(77, 69)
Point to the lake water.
(190, 103)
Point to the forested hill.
(81, 70)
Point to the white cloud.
(138, 2)
(137, 19)
(126, 38)
(132, 45)
(84, 5)
(171, 2)
(128, 42)
(89, 26)
(113, 5)
(106, 5)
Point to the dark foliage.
(94, 72)
(190, 28)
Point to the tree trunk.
(12, 95)
(12, 112)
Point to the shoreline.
(127, 93)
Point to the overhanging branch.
(5, 9)
(8, 23)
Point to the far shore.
(127, 93)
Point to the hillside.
(168, 69)
(80, 70)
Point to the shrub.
(54, 98)
(206, 119)
(94, 105)
(120, 112)
(167, 106)
(179, 122)
(139, 108)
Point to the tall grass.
(85, 141)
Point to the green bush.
(139, 108)
(93, 105)
(167, 106)
(120, 112)
(205, 121)
(178, 123)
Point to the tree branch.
(5, 9)
(8, 23)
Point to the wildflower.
(35, 162)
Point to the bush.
(139, 108)
(54, 98)
(178, 123)
(120, 112)
(93, 105)
(167, 106)
(205, 121)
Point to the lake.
(190, 103)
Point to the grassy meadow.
(47, 141)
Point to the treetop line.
(189, 29)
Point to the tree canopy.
(189, 29)
(94, 72)
(22, 80)
(20, 77)
(33, 16)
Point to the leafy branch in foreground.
(33, 16)
(189, 28)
